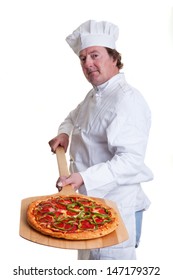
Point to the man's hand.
(60, 140)
(74, 179)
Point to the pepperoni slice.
(86, 202)
(65, 225)
(47, 209)
(66, 201)
(57, 213)
(99, 220)
(71, 213)
(100, 210)
(46, 219)
(61, 206)
(85, 224)
(74, 228)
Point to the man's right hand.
(60, 140)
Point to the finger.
(67, 181)
(53, 147)
(59, 186)
(51, 142)
(61, 181)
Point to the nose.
(88, 62)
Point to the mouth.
(89, 72)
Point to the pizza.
(72, 217)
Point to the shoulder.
(131, 97)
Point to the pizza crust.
(84, 234)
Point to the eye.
(94, 56)
(82, 59)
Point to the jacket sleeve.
(67, 125)
(127, 136)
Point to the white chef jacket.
(109, 132)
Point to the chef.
(107, 135)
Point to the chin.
(94, 82)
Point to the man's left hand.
(75, 180)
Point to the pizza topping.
(85, 224)
(101, 218)
(75, 206)
(64, 213)
(70, 215)
(46, 219)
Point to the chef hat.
(93, 33)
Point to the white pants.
(108, 253)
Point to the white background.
(41, 81)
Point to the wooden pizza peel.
(117, 236)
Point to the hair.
(116, 56)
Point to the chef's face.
(97, 65)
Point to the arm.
(64, 132)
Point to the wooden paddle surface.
(117, 236)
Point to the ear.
(115, 62)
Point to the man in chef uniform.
(108, 133)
